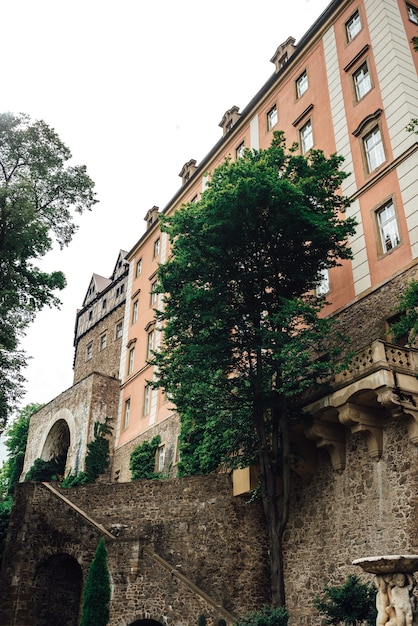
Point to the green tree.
(352, 603)
(267, 616)
(407, 310)
(96, 597)
(38, 192)
(242, 336)
(142, 459)
(16, 437)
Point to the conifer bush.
(96, 597)
(349, 604)
(267, 616)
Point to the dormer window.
(187, 171)
(151, 217)
(229, 119)
(283, 53)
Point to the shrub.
(45, 471)
(348, 604)
(97, 590)
(267, 616)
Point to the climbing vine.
(142, 460)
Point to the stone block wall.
(169, 430)
(75, 411)
(214, 540)
(106, 360)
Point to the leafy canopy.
(241, 325)
(39, 191)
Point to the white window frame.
(103, 341)
(388, 226)
(362, 80)
(323, 286)
(353, 26)
(89, 351)
(302, 84)
(239, 152)
(154, 294)
(160, 458)
(412, 13)
(118, 330)
(126, 413)
(157, 247)
(150, 344)
(138, 267)
(374, 149)
(306, 136)
(147, 400)
(272, 117)
(131, 361)
(135, 309)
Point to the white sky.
(135, 89)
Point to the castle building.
(348, 86)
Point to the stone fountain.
(393, 577)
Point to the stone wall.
(169, 430)
(106, 360)
(202, 532)
(75, 411)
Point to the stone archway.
(57, 444)
(58, 584)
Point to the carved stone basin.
(389, 564)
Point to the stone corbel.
(402, 405)
(332, 438)
(362, 419)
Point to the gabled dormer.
(120, 265)
(229, 119)
(151, 217)
(187, 171)
(96, 286)
(283, 53)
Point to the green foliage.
(268, 616)
(349, 604)
(242, 332)
(408, 314)
(202, 621)
(97, 457)
(45, 471)
(142, 460)
(38, 190)
(96, 597)
(5, 510)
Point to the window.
(147, 399)
(323, 287)
(157, 247)
(412, 13)
(154, 295)
(103, 342)
(373, 147)
(138, 268)
(362, 81)
(302, 84)
(306, 137)
(119, 330)
(160, 458)
(135, 307)
(353, 26)
(272, 117)
(240, 150)
(194, 199)
(131, 361)
(150, 346)
(89, 351)
(90, 315)
(388, 227)
(126, 414)
(104, 304)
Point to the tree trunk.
(275, 492)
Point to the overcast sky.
(135, 89)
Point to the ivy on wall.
(142, 459)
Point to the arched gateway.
(58, 585)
